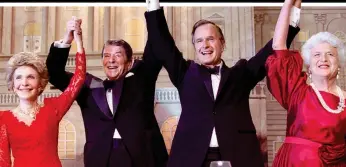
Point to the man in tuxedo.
(118, 113)
(215, 123)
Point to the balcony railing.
(162, 95)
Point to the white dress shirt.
(215, 79)
(215, 82)
(109, 95)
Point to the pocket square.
(129, 74)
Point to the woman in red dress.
(30, 131)
(316, 118)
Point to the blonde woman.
(30, 131)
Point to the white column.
(90, 29)
(44, 31)
(106, 24)
(7, 30)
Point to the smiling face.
(324, 61)
(115, 62)
(209, 44)
(26, 83)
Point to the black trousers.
(120, 157)
(213, 154)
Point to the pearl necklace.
(341, 105)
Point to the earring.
(337, 75)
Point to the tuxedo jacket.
(229, 113)
(133, 104)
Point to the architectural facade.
(246, 30)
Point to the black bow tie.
(108, 84)
(215, 70)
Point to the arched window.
(168, 129)
(67, 140)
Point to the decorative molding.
(32, 9)
(259, 18)
(215, 16)
(162, 95)
(341, 35)
(11, 98)
(72, 8)
(320, 18)
(70, 61)
(259, 91)
(218, 20)
(167, 95)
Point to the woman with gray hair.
(30, 131)
(316, 120)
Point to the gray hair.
(323, 37)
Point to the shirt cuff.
(153, 5)
(295, 16)
(60, 44)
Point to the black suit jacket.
(133, 101)
(229, 113)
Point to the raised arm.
(256, 65)
(284, 67)
(152, 64)
(57, 58)
(65, 100)
(5, 153)
(281, 28)
(163, 45)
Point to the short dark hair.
(203, 22)
(122, 43)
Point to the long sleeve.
(285, 76)
(56, 62)
(163, 46)
(65, 100)
(256, 64)
(5, 153)
(152, 64)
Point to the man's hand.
(70, 27)
(78, 36)
(298, 4)
(77, 33)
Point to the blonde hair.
(323, 37)
(27, 59)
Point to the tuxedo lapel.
(225, 71)
(117, 90)
(99, 95)
(205, 75)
